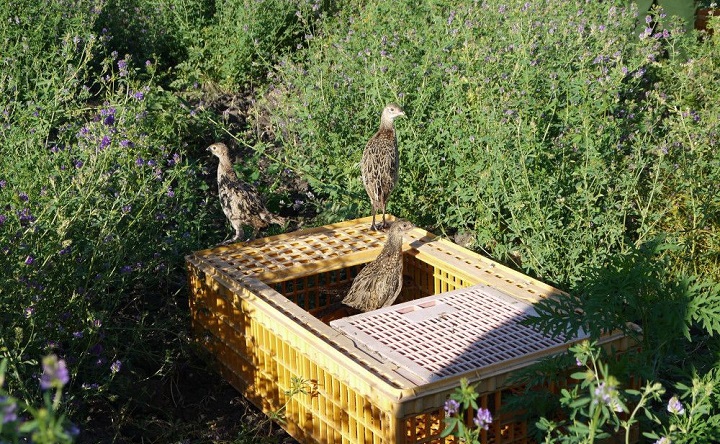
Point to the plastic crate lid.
(451, 333)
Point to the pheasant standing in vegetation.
(240, 201)
(379, 283)
(380, 163)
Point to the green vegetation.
(546, 132)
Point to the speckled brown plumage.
(381, 162)
(240, 201)
(379, 283)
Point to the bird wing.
(361, 287)
(393, 292)
(238, 199)
(375, 286)
(379, 166)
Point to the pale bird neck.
(393, 243)
(225, 167)
(386, 123)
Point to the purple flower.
(126, 269)
(2, 219)
(139, 161)
(7, 410)
(105, 142)
(29, 311)
(25, 216)
(109, 120)
(451, 407)
(55, 373)
(603, 392)
(451, 17)
(29, 260)
(122, 65)
(125, 143)
(23, 197)
(78, 334)
(170, 192)
(115, 366)
(3, 183)
(73, 430)
(607, 394)
(483, 418)
(148, 63)
(675, 406)
(126, 208)
(139, 95)
(78, 163)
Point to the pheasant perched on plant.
(240, 201)
(380, 162)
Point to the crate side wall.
(257, 357)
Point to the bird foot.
(231, 240)
(377, 227)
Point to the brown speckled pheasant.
(379, 283)
(240, 201)
(380, 162)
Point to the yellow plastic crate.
(252, 305)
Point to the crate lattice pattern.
(268, 256)
(451, 333)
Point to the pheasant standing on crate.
(378, 284)
(380, 163)
(240, 201)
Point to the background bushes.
(544, 134)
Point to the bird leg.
(239, 232)
(373, 226)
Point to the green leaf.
(579, 403)
(582, 375)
